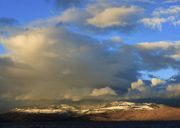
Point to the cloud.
(160, 52)
(115, 16)
(116, 39)
(153, 57)
(69, 16)
(62, 61)
(161, 15)
(8, 25)
(156, 82)
(72, 65)
(170, 49)
(142, 90)
(154, 88)
(173, 90)
(62, 54)
(138, 85)
(172, 1)
(169, 15)
(103, 91)
(172, 10)
(144, 1)
(68, 3)
(5, 21)
(153, 23)
(73, 15)
(157, 45)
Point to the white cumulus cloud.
(156, 82)
(103, 91)
(154, 22)
(115, 16)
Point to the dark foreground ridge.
(90, 124)
(39, 117)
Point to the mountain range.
(113, 111)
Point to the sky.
(89, 49)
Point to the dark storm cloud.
(151, 60)
(159, 55)
(6, 62)
(69, 63)
(66, 62)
